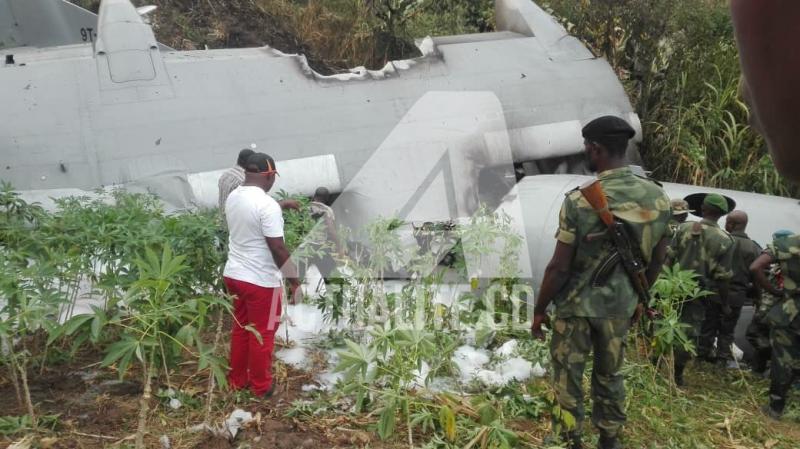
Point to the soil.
(194, 25)
(95, 410)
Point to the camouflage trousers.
(692, 313)
(758, 337)
(785, 361)
(720, 326)
(573, 339)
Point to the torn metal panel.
(115, 114)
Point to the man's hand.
(536, 325)
(289, 204)
(295, 292)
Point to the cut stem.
(23, 374)
(211, 380)
(144, 402)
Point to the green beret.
(716, 200)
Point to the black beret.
(607, 126)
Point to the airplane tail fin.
(528, 19)
(44, 23)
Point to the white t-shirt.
(252, 215)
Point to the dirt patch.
(96, 410)
(195, 25)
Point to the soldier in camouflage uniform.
(597, 318)
(745, 251)
(705, 248)
(680, 212)
(758, 330)
(783, 318)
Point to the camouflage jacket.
(708, 250)
(767, 299)
(745, 251)
(645, 209)
(786, 252)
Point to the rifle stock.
(593, 192)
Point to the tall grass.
(679, 63)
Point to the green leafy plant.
(673, 288)
(158, 320)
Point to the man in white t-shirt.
(257, 261)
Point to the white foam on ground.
(517, 369)
(328, 380)
(304, 322)
(538, 371)
(507, 349)
(469, 361)
(296, 357)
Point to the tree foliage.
(679, 63)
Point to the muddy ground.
(95, 409)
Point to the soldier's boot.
(773, 410)
(606, 442)
(777, 401)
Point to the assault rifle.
(626, 250)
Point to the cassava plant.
(673, 288)
(158, 322)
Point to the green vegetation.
(679, 63)
(159, 319)
(154, 307)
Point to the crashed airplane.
(95, 101)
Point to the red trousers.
(251, 359)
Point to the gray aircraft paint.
(119, 111)
(541, 198)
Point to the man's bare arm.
(556, 276)
(757, 269)
(289, 204)
(282, 258)
(657, 261)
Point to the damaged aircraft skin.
(93, 101)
